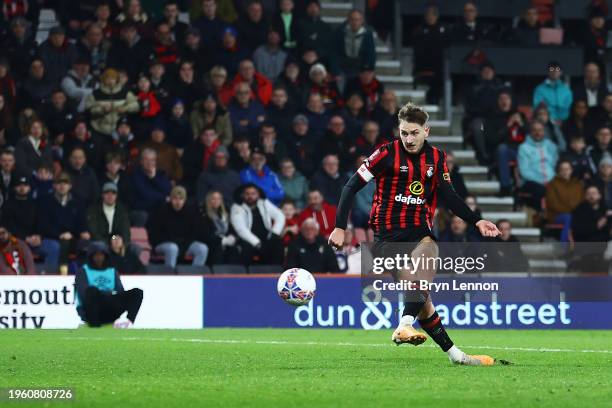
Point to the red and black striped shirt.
(407, 185)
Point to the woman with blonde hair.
(216, 216)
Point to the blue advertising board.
(342, 302)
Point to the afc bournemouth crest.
(430, 171)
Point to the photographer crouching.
(101, 298)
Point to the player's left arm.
(456, 204)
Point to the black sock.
(414, 303)
(433, 326)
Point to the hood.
(97, 246)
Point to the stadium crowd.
(229, 139)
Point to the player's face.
(413, 136)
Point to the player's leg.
(128, 301)
(416, 298)
(431, 322)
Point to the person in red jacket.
(261, 87)
(323, 212)
(15, 255)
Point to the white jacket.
(242, 220)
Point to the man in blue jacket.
(101, 298)
(261, 175)
(554, 93)
(150, 187)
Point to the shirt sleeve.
(453, 201)
(374, 165)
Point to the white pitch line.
(318, 343)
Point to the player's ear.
(427, 129)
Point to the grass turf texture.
(304, 368)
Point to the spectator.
(102, 18)
(269, 58)
(252, 26)
(207, 112)
(354, 115)
(590, 220)
(591, 89)
(19, 214)
(313, 32)
(57, 55)
(231, 52)
(292, 81)
(213, 212)
(578, 158)
(131, 52)
(8, 87)
(554, 93)
(552, 131)
(280, 112)
(368, 140)
(367, 85)
(219, 85)
(595, 37)
(240, 153)
(456, 176)
(8, 133)
(61, 223)
(109, 102)
(385, 114)
(134, 13)
(563, 194)
(293, 183)
(193, 50)
(218, 177)
(261, 87)
(16, 257)
(171, 18)
(150, 106)
(108, 218)
(321, 211)
(259, 174)
(19, 45)
(178, 127)
(210, 26)
(173, 232)
(78, 84)
(42, 181)
(429, 41)
(470, 31)
(338, 142)
(579, 123)
(168, 159)
(33, 149)
(320, 82)
(310, 251)
(286, 22)
(199, 155)
(302, 146)
(537, 157)
(123, 259)
(292, 221)
(258, 224)
(114, 172)
(150, 187)
(602, 145)
(98, 300)
(95, 48)
(354, 44)
(37, 87)
(58, 116)
(84, 181)
(317, 115)
(186, 87)
(458, 232)
(527, 31)
(273, 148)
(123, 140)
(329, 180)
(603, 180)
(508, 255)
(246, 114)
(159, 81)
(7, 171)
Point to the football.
(296, 286)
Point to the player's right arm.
(369, 169)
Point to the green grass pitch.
(306, 368)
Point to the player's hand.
(487, 228)
(336, 238)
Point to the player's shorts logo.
(416, 188)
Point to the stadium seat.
(193, 270)
(229, 269)
(158, 269)
(259, 269)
